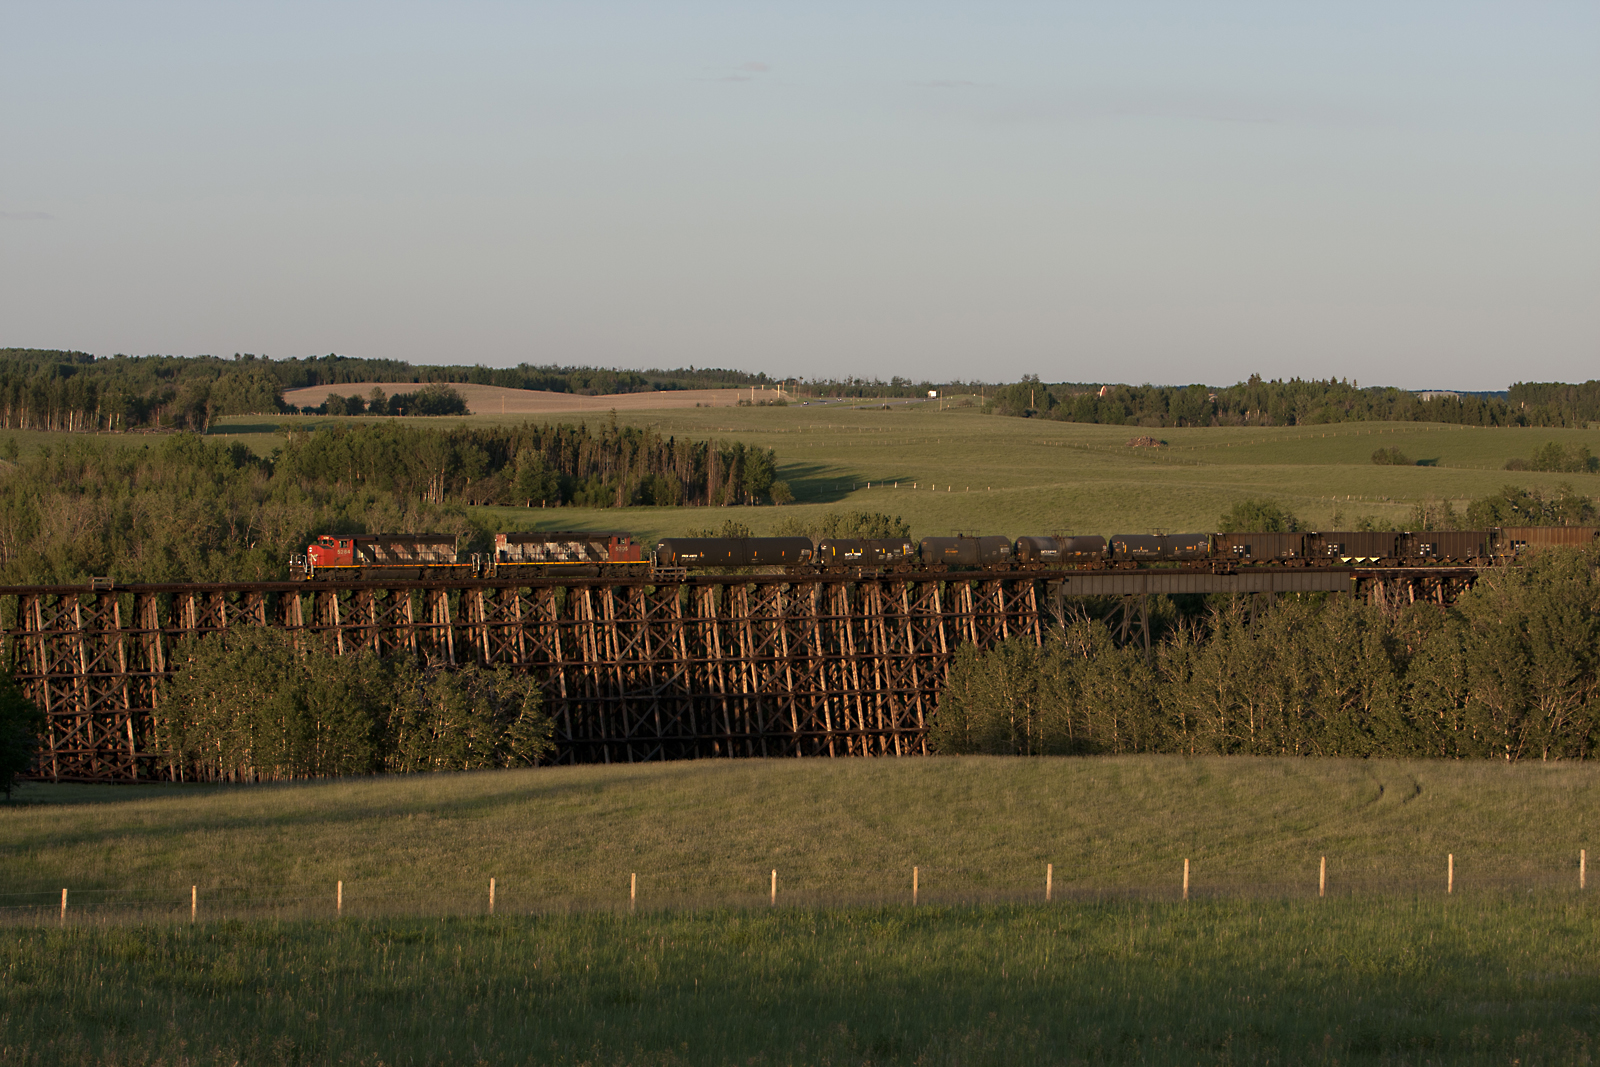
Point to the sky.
(1171, 192)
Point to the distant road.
(493, 400)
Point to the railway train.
(592, 554)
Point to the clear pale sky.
(1405, 194)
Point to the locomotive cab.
(330, 551)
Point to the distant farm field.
(1254, 968)
(961, 471)
(953, 469)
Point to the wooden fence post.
(194, 901)
(1450, 873)
(633, 889)
(1049, 877)
(914, 873)
(1322, 878)
(491, 896)
(774, 887)
(63, 905)
(1186, 878)
(338, 900)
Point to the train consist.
(435, 556)
(593, 554)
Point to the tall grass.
(1482, 978)
(704, 834)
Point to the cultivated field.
(1255, 968)
(494, 400)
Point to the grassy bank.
(708, 834)
(1254, 968)
(1478, 979)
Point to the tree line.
(532, 465)
(62, 390)
(1513, 505)
(47, 389)
(1511, 671)
(1295, 402)
(188, 508)
(258, 704)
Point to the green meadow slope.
(1255, 968)
(709, 833)
(958, 470)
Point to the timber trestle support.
(766, 665)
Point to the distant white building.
(1434, 394)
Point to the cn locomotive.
(592, 554)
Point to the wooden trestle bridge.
(771, 665)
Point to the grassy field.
(957, 470)
(1254, 969)
(1482, 979)
(953, 469)
(709, 833)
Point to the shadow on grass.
(816, 484)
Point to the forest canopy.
(1511, 671)
(187, 508)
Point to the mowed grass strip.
(1478, 979)
(707, 834)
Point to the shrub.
(1259, 516)
(21, 723)
(255, 704)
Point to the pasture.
(1480, 980)
(947, 468)
(1255, 968)
(950, 468)
(706, 834)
